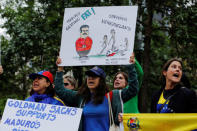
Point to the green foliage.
(35, 27)
(176, 38)
(170, 26)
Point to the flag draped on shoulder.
(160, 122)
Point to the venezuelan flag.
(160, 122)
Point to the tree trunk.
(143, 99)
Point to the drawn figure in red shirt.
(84, 43)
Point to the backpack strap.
(58, 99)
(82, 104)
(169, 97)
(110, 95)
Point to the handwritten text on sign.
(98, 35)
(29, 116)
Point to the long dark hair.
(99, 92)
(125, 75)
(166, 66)
(50, 89)
(185, 81)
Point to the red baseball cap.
(46, 74)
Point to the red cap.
(46, 74)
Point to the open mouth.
(176, 75)
(117, 83)
(91, 83)
(35, 84)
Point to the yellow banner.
(160, 122)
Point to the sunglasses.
(66, 84)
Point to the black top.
(184, 100)
(167, 93)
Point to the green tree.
(35, 26)
(165, 37)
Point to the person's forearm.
(139, 71)
(64, 94)
(131, 91)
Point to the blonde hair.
(69, 76)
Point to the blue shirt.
(44, 98)
(96, 117)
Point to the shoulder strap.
(111, 118)
(165, 102)
(122, 108)
(58, 99)
(82, 104)
(110, 95)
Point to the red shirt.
(83, 44)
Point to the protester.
(69, 81)
(121, 81)
(92, 97)
(42, 89)
(173, 97)
(1, 69)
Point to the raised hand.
(59, 61)
(1, 69)
(132, 59)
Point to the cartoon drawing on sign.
(123, 47)
(112, 44)
(84, 43)
(112, 41)
(110, 48)
(113, 32)
(104, 45)
(98, 35)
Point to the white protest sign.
(31, 116)
(98, 35)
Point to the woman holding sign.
(42, 89)
(92, 97)
(120, 81)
